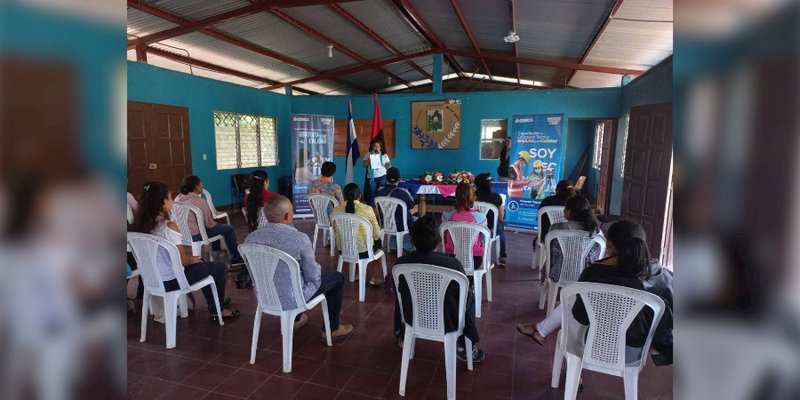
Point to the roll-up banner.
(537, 156)
(312, 145)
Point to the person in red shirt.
(258, 196)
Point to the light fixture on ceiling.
(511, 38)
(330, 50)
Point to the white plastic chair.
(388, 207)
(464, 235)
(262, 219)
(484, 208)
(347, 225)
(263, 262)
(217, 214)
(555, 214)
(129, 213)
(145, 250)
(611, 310)
(181, 212)
(427, 285)
(319, 205)
(575, 247)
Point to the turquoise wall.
(204, 96)
(654, 87)
(580, 137)
(584, 103)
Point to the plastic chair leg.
(217, 303)
(488, 283)
(352, 271)
(287, 332)
(183, 306)
(477, 279)
(339, 265)
(314, 242)
(327, 319)
(497, 249)
(256, 330)
(399, 239)
(558, 361)
(631, 380)
(383, 265)
(407, 341)
(333, 242)
(450, 364)
(468, 348)
(362, 276)
(145, 315)
(171, 318)
(543, 294)
(552, 294)
(574, 366)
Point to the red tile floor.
(212, 362)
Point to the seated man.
(280, 234)
(391, 189)
(424, 235)
(325, 184)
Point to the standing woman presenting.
(377, 174)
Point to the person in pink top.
(463, 212)
(191, 188)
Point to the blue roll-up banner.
(537, 156)
(312, 144)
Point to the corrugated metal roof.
(142, 24)
(489, 21)
(383, 17)
(199, 9)
(441, 18)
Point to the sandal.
(234, 314)
(523, 330)
(376, 283)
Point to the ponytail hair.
(581, 211)
(257, 179)
(351, 193)
(629, 239)
(564, 189)
(189, 184)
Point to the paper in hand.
(375, 161)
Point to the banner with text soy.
(312, 145)
(537, 156)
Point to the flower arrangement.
(432, 178)
(457, 177)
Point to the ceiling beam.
(257, 7)
(514, 29)
(545, 63)
(600, 31)
(141, 53)
(355, 21)
(352, 70)
(465, 25)
(413, 18)
(522, 86)
(217, 68)
(321, 37)
(217, 34)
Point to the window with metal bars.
(597, 157)
(244, 140)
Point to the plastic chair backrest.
(555, 214)
(464, 235)
(484, 208)
(347, 225)
(210, 201)
(262, 219)
(320, 203)
(388, 208)
(611, 310)
(145, 249)
(427, 285)
(182, 213)
(263, 262)
(575, 247)
(129, 213)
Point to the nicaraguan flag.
(353, 154)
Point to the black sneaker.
(237, 262)
(477, 354)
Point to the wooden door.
(158, 145)
(646, 175)
(606, 165)
(364, 134)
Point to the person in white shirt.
(377, 175)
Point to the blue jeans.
(228, 234)
(374, 185)
(501, 233)
(332, 286)
(197, 272)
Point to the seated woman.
(153, 217)
(425, 238)
(191, 188)
(628, 264)
(580, 216)
(483, 192)
(564, 191)
(352, 205)
(463, 212)
(324, 184)
(259, 193)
